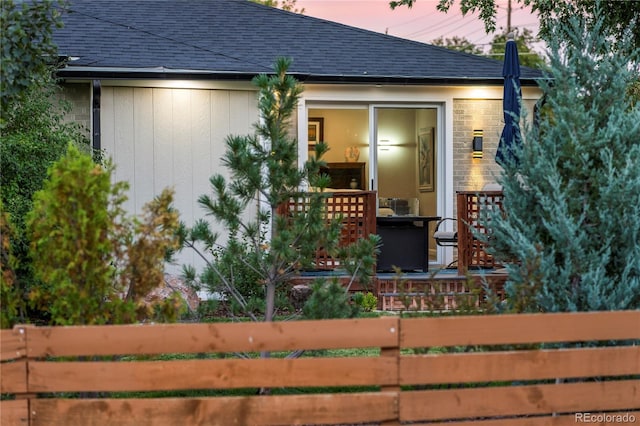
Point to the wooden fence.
(503, 377)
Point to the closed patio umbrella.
(511, 137)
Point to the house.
(161, 83)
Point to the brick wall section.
(468, 114)
(79, 96)
(471, 174)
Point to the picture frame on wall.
(426, 147)
(316, 130)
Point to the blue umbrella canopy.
(511, 138)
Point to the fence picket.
(208, 338)
(520, 329)
(14, 413)
(219, 411)
(519, 400)
(519, 365)
(14, 377)
(209, 374)
(554, 420)
(14, 345)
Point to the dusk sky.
(422, 23)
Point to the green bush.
(96, 265)
(31, 142)
(9, 300)
(329, 300)
(367, 301)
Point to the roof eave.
(412, 80)
(161, 73)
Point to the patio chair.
(445, 238)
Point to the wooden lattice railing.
(358, 210)
(472, 253)
(100, 375)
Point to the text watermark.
(606, 418)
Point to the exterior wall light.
(476, 144)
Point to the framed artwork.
(426, 137)
(316, 130)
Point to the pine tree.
(263, 253)
(571, 221)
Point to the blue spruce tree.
(570, 229)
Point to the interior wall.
(397, 148)
(344, 128)
(428, 118)
(398, 130)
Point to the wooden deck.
(440, 289)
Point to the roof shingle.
(242, 38)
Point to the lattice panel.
(472, 252)
(358, 212)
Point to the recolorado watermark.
(606, 418)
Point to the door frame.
(444, 163)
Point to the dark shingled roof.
(237, 39)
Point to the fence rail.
(490, 370)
